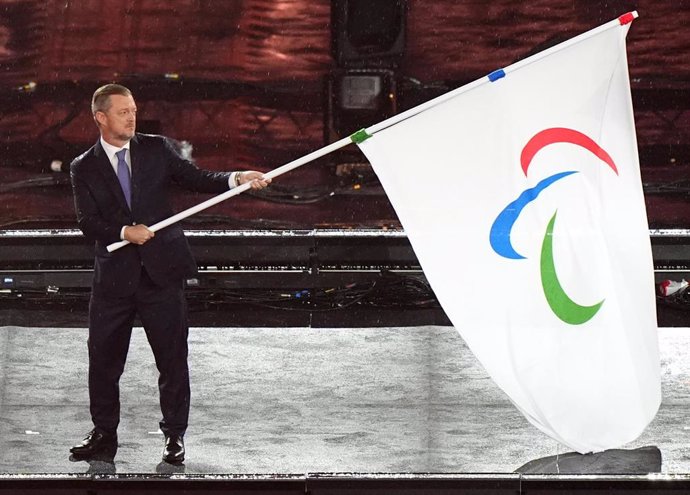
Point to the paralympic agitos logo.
(500, 237)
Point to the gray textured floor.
(300, 400)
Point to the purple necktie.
(123, 176)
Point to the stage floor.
(299, 400)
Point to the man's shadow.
(167, 468)
(104, 463)
(99, 463)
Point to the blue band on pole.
(496, 75)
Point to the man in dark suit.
(121, 185)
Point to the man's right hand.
(138, 234)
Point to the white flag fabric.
(522, 199)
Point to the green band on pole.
(359, 136)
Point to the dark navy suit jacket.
(102, 212)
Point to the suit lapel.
(135, 156)
(109, 176)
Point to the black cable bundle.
(387, 291)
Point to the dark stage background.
(255, 84)
(245, 83)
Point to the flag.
(521, 196)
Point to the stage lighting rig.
(356, 98)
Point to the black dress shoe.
(94, 443)
(173, 452)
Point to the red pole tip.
(626, 18)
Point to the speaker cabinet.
(368, 32)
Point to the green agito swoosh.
(564, 307)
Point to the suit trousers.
(163, 314)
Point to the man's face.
(119, 122)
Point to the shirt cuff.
(232, 179)
(122, 232)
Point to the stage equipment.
(319, 278)
(281, 259)
(368, 33)
(357, 98)
(342, 483)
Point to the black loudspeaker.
(368, 32)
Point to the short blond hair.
(101, 97)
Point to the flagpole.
(363, 134)
(240, 189)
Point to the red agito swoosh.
(561, 135)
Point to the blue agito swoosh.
(499, 236)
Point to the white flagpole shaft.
(373, 129)
(239, 189)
